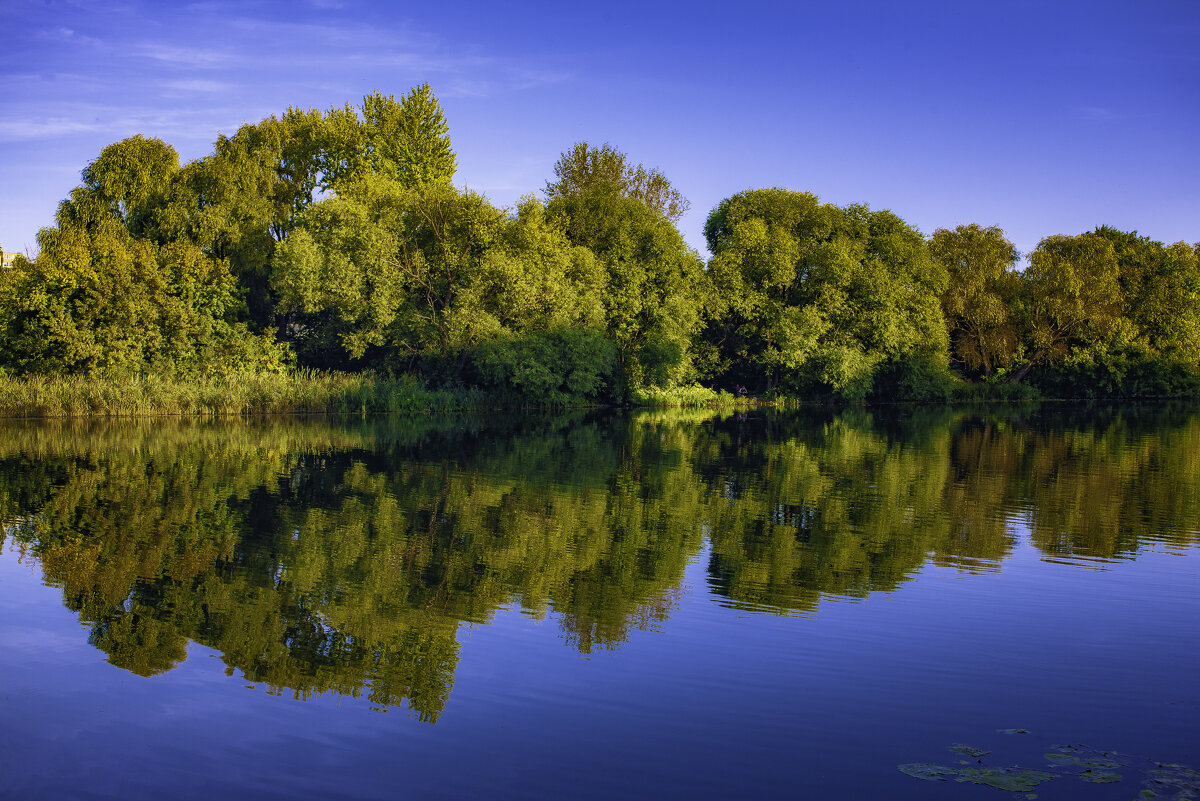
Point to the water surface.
(599, 605)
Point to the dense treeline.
(343, 557)
(337, 240)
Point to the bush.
(551, 368)
(918, 378)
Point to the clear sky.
(1043, 117)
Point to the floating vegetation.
(1159, 780)
(1100, 776)
(962, 748)
(1013, 731)
(1084, 757)
(1013, 779)
(1173, 781)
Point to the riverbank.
(300, 392)
(315, 392)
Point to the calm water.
(668, 605)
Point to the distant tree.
(654, 287)
(979, 265)
(1160, 287)
(1072, 297)
(128, 174)
(584, 169)
(818, 297)
(409, 140)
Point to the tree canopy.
(336, 239)
(816, 298)
(585, 169)
(981, 280)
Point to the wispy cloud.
(531, 79)
(197, 85)
(195, 124)
(186, 56)
(19, 129)
(68, 35)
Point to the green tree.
(409, 140)
(1160, 286)
(128, 175)
(584, 169)
(654, 287)
(430, 272)
(1072, 298)
(102, 298)
(816, 297)
(979, 265)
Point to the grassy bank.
(300, 392)
(313, 392)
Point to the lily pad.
(1100, 776)
(928, 772)
(1013, 731)
(1012, 779)
(1179, 781)
(1017, 780)
(1083, 757)
(966, 750)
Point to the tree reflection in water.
(342, 556)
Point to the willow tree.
(1072, 298)
(979, 265)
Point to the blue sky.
(1040, 117)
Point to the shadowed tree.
(979, 265)
(1072, 297)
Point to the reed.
(298, 392)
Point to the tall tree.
(818, 297)
(979, 264)
(128, 174)
(584, 169)
(1072, 297)
(654, 285)
(409, 140)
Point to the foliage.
(685, 396)
(552, 368)
(1072, 298)
(654, 285)
(1160, 287)
(100, 300)
(584, 169)
(336, 240)
(816, 298)
(248, 393)
(432, 271)
(979, 288)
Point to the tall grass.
(693, 396)
(299, 392)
